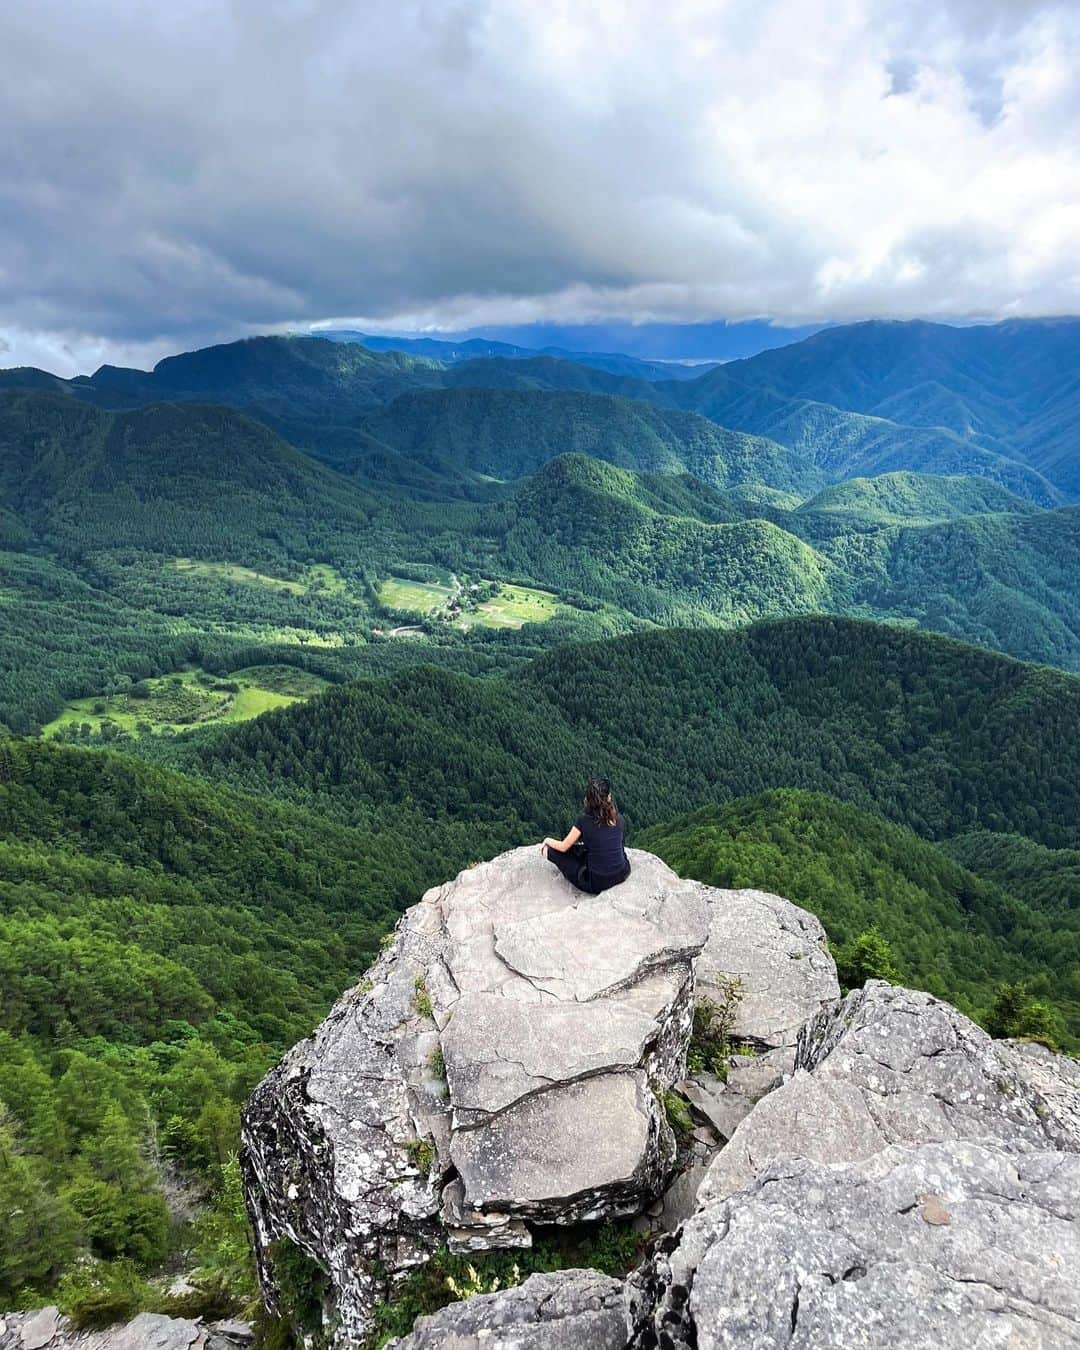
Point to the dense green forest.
(955, 932)
(141, 542)
(939, 736)
(483, 575)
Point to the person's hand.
(544, 845)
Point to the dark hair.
(598, 802)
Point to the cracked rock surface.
(914, 1184)
(498, 1068)
(891, 1065)
(48, 1329)
(570, 1310)
(951, 1245)
(781, 957)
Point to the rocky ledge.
(873, 1170)
(48, 1329)
(503, 1067)
(913, 1183)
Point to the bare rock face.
(499, 1067)
(891, 1065)
(915, 1183)
(47, 1329)
(568, 1310)
(779, 954)
(950, 1245)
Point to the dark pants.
(574, 865)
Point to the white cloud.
(205, 169)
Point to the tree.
(1018, 1015)
(866, 957)
(37, 1228)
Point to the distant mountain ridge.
(857, 400)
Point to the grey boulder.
(779, 954)
(47, 1329)
(951, 1245)
(499, 1067)
(891, 1065)
(566, 1310)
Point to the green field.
(511, 608)
(420, 597)
(319, 577)
(189, 698)
(234, 572)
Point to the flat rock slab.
(497, 1050)
(566, 1310)
(780, 955)
(46, 1329)
(947, 1245)
(559, 1148)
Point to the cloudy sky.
(173, 174)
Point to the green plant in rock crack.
(710, 1037)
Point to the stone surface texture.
(891, 1065)
(879, 1173)
(570, 1310)
(780, 956)
(947, 1245)
(47, 1329)
(913, 1184)
(499, 1067)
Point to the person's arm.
(561, 845)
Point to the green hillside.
(201, 480)
(938, 736)
(1012, 384)
(950, 931)
(590, 530)
(915, 498)
(508, 433)
(161, 943)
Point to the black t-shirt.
(605, 854)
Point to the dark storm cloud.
(171, 174)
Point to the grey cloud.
(194, 171)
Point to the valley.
(291, 630)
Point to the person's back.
(605, 850)
(592, 857)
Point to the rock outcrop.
(891, 1065)
(48, 1329)
(568, 1310)
(499, 1067)
(949, 1245)
(914, 1183)
(503, 1066)
(874, 1171)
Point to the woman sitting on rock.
(592, 856)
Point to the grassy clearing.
(234, 572)
(318, 579)
(187, 699)
(512, 607)
(418, 597)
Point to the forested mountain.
(512, 432)
(1014, 384)
(939, 736)
(139, 541)
(198, 479)
(474, 349)
(949, 930)
(915, 498)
